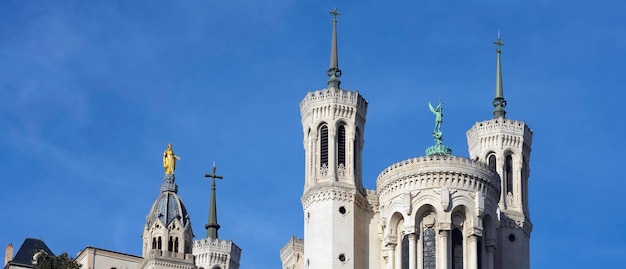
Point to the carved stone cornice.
(331, 192)
(318, 103)
(499, 133)
(438, 172)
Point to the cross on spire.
(212, 226)
(499, 103)
(498, 43)
(335, 13)
(334, 73)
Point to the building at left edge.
(168, 239)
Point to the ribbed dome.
(168, 206)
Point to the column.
(472, 253)
(420, 251)
(332, 151)
(443, 249)
(412, 252)
(489, 256)
(391, 255)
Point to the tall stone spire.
(334, 73)
(498, 102)
(212, 226)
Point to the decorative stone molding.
(324, 170)
(326, 193)
(341, 170)
(318, 104)
(495, 126)
(432, 172)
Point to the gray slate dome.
(168, 206)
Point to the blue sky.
(92, 92)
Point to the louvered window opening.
(508, 172)
(324, 146)
(341, 149)
(492, 162)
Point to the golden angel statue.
(169, 160)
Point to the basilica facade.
(434, 211)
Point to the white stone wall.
(96, 258)
(212, 252)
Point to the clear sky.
(93, 91)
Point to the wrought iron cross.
(335, 13)
(498, 42)
(213, 176)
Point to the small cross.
(335, 13)
(498, 43)
(213, 176)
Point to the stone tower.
(167, 233)
(334, 201)
(505, 145)
(212, 252)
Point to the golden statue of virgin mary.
(169, 160)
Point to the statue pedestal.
(168, 183)
(438, 149)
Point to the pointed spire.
(498, 102)
(334, 73)
(212, 226)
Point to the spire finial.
(498, 102)
(334, 73)
(212, 226)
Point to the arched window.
(457, 249)
(170, 244)
(159, 243)
(153, 243)
(508, 173)
(324, 146)
(341, 145)
(429, 250)
(176, 244)
(405, 252)
(492, 162)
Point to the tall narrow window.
(430, 252)
(457, 249)
(405, 252)
(341, 145)
(153, 243)
(170, 244)
(492, 162)
(508, 173)
(159, 243)
(176, 245)
(324, 146)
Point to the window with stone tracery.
(429, 249)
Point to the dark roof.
(28, 249)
